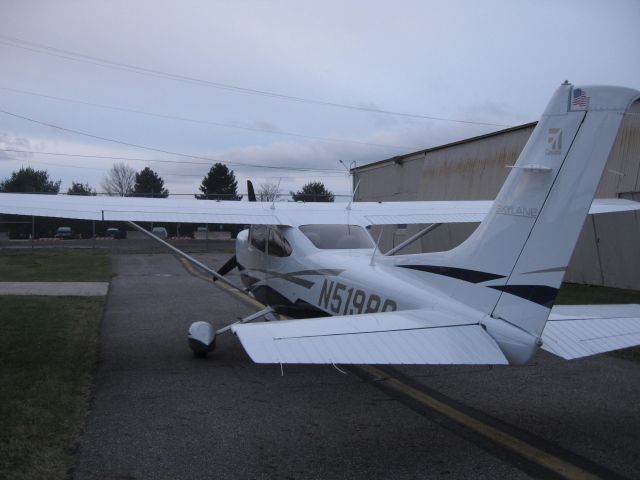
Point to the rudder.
(513, 264)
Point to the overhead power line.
(204, 122)
(178, 162)
(169, 152)
(134, 159)
(84, 167)
(105, 63)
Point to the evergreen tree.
(313, 192)
(28, 180)
(219, 184)
(78, 188)
(149, 184)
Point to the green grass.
(55, 267)
(47, 354)
(571, 294)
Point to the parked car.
(116, 233)
(160, 232)
(64, 233)
(201, 233)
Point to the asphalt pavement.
(157, 412)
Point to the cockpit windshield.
(333, 237)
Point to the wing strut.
(189, 258)
(413, 238)
(246, 319)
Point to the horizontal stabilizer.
(612, 205)
(406, 337)
(581, 330)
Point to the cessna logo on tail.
(555, 142)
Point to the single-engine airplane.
(487, 301)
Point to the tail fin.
(514, 263)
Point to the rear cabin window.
(278, 246)
(337, 237)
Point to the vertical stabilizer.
(571, 146)
(513, 264)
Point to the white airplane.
(488, 301)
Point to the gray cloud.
(12, 142)
(464, 60)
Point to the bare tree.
(120, 180)
(268, 192)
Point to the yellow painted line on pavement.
(534, 454)
(545, 459)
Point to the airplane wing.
(575, 331)
(278, 213)
(424, 336)
(136, 209)
(459, 211)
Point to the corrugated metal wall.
(608, 251)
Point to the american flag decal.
(579, 98)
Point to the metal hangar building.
(608, 250)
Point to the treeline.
(121, 180)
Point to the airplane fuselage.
(316, 282)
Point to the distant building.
(608, 251)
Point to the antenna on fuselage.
(354, 194)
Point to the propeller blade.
(251, 192)
(227, 267)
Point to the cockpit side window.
(258, 237)
(278, 246)
(338, 236)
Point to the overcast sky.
(284, 85)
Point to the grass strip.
(573, 294)
(47, 354)
(55, 267)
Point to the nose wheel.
(201, 338)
